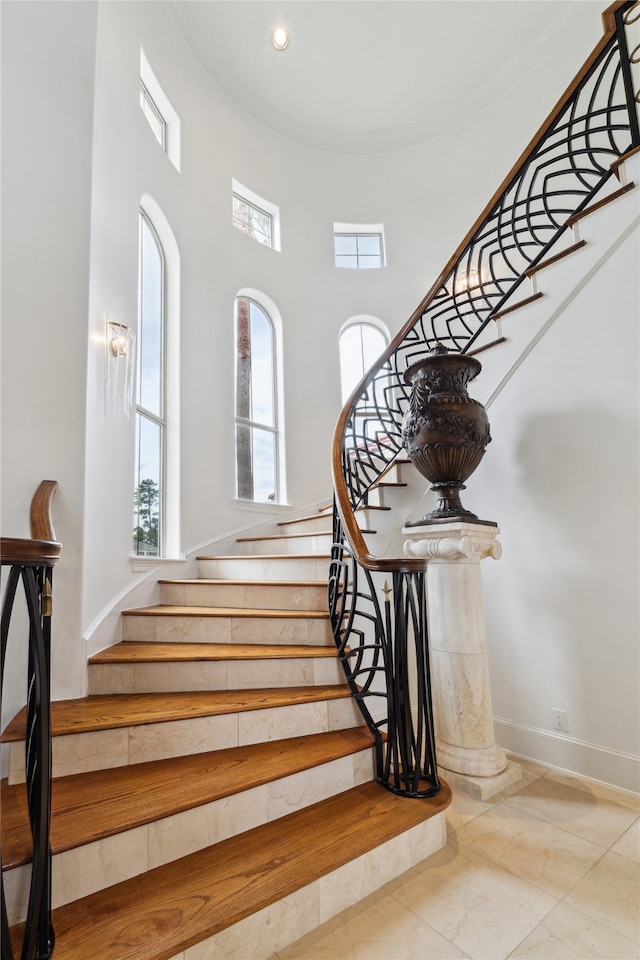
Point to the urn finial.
(445, 431)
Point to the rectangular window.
(154, 118)
(256, 223)
(159, 112)
(358, 251)
(254, 216)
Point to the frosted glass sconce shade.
(120, 342)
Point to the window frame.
(250, 231)
(357, 231)
(164, 107)
(142, 412)
(275, 430)
(261, 205)
(148, 101)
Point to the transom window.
(358, 248)
(257, 462)
(255, 216)
(154, 118)
(256, 223)
(159, 112)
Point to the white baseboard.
(612, 767)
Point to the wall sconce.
(467, 279)
(120, 342)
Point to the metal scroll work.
(594, 124)
(383, 644)
(30, 564)
(382, 640)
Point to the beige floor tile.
(535, 769)
(576, 810)
(631, 800)
(481, 908)
(609, 893)
(463, 809)
(377, 929)
(629, 843)
(567, 934)
(526, 778)
(538, 852)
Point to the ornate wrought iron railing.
(567, 163)
(31, 562)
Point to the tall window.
(257, 467)
(358, 246)
(149, 491)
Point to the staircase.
(213, 795)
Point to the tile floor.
(549, 869)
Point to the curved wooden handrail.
(43, 547)
(343, 504)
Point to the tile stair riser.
(102, 749)
(172, 677)
(94, 866)
(319, 543)
(272, 929)
(262, 596)
(177, 629)
(275, 568)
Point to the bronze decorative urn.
(445, 431)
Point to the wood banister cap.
(40, 520)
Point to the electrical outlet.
(559, 719)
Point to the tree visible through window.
(150, 397)
(256, 407)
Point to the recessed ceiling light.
(280, 38)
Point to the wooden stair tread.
(287, 536)
(290, 523)
(516, 306)
(224, 581)
(90, 806)
(141, 651)
(486, 346)
(175, 610)
(600, 203)
(160, 913)
(556, 257)
(272, 556)
(109, 711)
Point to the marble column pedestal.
(468, 756)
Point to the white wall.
(83, 188)
(561, 479)
(47, 110)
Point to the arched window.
(258, 443)
(361, 343)
(155, 521)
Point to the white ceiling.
(370, 75)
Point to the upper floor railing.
(575, 152)
(31, 562)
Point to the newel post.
(468, 756)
